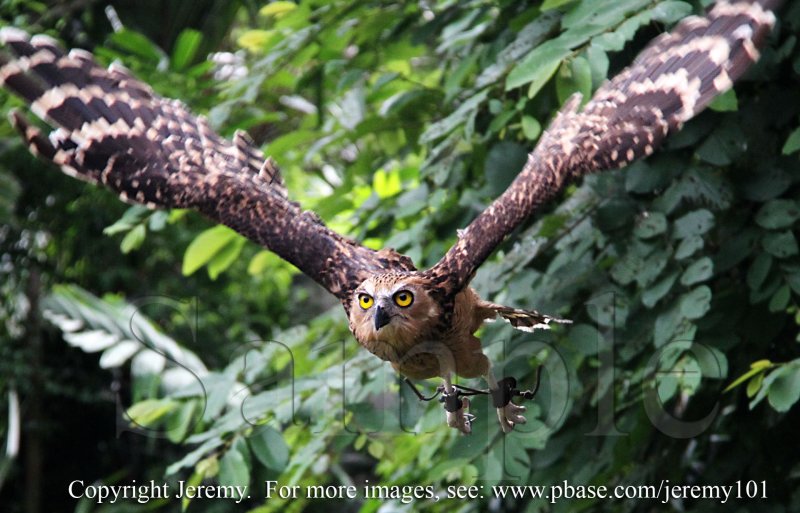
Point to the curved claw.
(510, 415)
(460, 419)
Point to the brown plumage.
(409, 339)
(114, 130)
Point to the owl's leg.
(508, 413)
(455, 408)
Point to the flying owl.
(113, 130)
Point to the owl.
(115, 131)
(396, 316)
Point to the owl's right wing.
(113, 130)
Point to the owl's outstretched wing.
(114, 130)
(673, 79)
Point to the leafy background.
(153, 345)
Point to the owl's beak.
(381, 318)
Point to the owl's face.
(391, 312)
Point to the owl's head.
(393, 309)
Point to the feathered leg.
(455, 408)
(508, 413)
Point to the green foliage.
(398, 123)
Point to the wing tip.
(80, 54)
(12, 34)
(44, 40)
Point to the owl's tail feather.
(526, 320)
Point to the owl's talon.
(456, 412)
(510, 415)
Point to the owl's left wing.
(673, 79)
(113, 130)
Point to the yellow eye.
(404, 298)
(365, 301)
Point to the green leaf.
(376, 449)
(627, 268)
(386, 183)
(185, 49)
(574, 76)
(615, 214)
(9, 193)
(203, 248)
(781, 245)
(133, 216)
(259, 263)
(537, 68)
(598, 61)
(91, 341)
(503, 163)
(209, 467)
(697, 222)
(700, 270)
(792, 142)
(255, 39)
(761, 364)
(225, 257)
(784, 391)
(726, 102)
(688, 246)
(666, 326)
(462, 114)
(690, 374)
(517, 461)
(650, 224)
(768, 183)
(609, 310)
(723, 146)
(671, 11)
(528, 37)
(360, 442)
(585, 338)
(180, 421)
(137, 44)
(695, 185)
(777, 214)
(270, 448)
(793, 280)
(667, 385)
(158, 220)
(602, 13)
(218, 390)
(552, 4)
(148, 412)
(652, 295)
(641, 177)
(531, 127)
(651, 268)
(615, 40)
(366, 417)
(780, 300)
(755, 368)
(133, 239)
(195, 480)
(758, 271)
(696, 303)
(277, 8)
(233, 470)
(754, 385)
